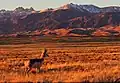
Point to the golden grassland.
(67, 62)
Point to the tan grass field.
(67, 62)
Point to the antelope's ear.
(45, 50)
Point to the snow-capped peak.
(82, 8)
(90, 8)
(68, 6)
(85, 8)
(71, 6)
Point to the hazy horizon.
(38, 4)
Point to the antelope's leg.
(27, 69)
(38, 69)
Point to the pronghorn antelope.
(35, 64)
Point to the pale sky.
(43, 4)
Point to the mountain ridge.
(87, 18)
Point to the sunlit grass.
(67, 62)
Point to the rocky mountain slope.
(67, 20)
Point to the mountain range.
(67, 20)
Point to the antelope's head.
(44, 53)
